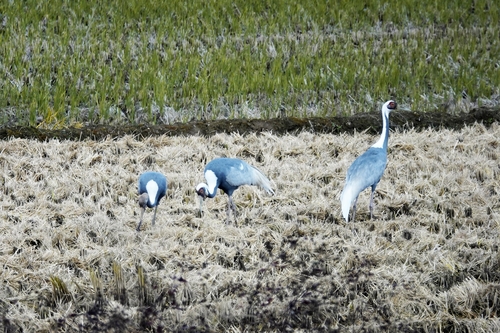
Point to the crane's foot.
(138, 226)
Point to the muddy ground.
(369, 122)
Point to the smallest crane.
(228, 174)
(152, 187)
(367, 169)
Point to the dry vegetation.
(72, 260)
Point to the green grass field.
(69, 63)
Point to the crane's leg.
(231, 206)
(371, 204)
(140, 221)
(228, 209)
(154, 215)
(354, 209)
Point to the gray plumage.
(152, 187)
(367, 169)
(229, 174)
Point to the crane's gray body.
(229, 174)
(152, 187)
(367, 169)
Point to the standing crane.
(367, 169)
(152, 187)
(228, 174)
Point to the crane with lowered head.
(229, 174)
(152, 187)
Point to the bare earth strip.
(72, 260)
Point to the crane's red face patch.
(392, 105)
(201, 192)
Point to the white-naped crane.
(152, 187)
(228, 174)
(367, 169)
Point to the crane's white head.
(388, 107)
(143, 200)
(202, 192)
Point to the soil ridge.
(370, 122)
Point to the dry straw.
(72, 260)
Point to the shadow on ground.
(360, 122)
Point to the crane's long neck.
(384, 137)
(211, 192)
(212, 183)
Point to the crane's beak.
(143, 201)
(201, 198)
(140, 221)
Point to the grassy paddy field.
(71, 63)
(72, 260)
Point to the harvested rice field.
(429, 262)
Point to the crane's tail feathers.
(346, 198)
(261, 180)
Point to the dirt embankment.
(358, 122)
